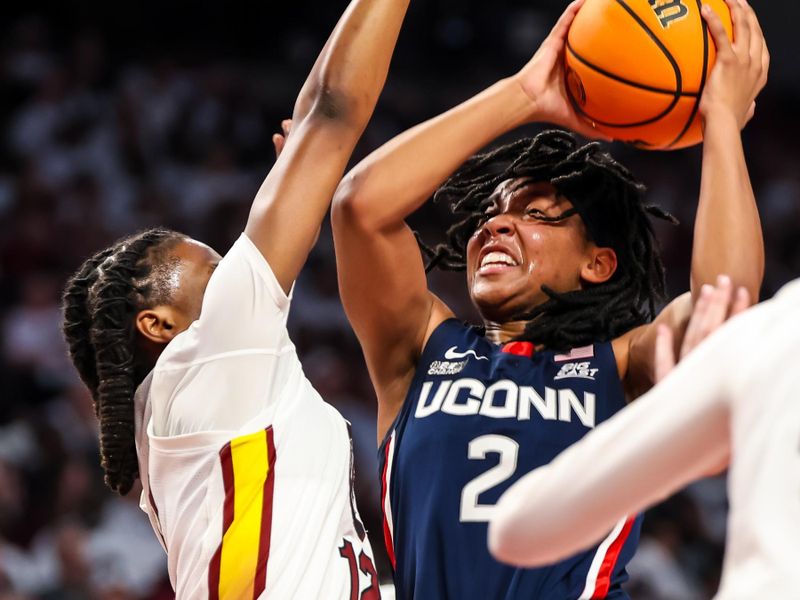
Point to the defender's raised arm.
(330, 114)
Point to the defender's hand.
(741, 69)
(279, 140)
(543, 80)
(714, 306)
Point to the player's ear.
(600, 266)
(157, 324)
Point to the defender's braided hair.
(100, 303)
(609, 200)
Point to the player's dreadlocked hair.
(100, 303)
(609, 200)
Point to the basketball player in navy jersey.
(561, 262)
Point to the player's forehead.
(516, 192)
(192, 251)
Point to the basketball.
(636, 69)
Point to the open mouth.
(496, 261)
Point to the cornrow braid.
(609, 200)
(100, 303)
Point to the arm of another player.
(727, 231)
(381, 273)
(546, 516)
(330, 114)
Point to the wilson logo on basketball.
(669, 11)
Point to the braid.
(100, 304)
(609, 200)
(77, 319)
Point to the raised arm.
(727, 234)
(330, 114)
(727, 231)
(381, 276)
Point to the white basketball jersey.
(762, 554)
(247, 472)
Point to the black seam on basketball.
(658, 117)
(659, 43)
(703, 78)
(610, 75)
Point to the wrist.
(718, 114)
(525, 103)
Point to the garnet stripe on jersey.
(238, 568)
(386, 501)
(266, 518)
(610, 561)
(227, 519)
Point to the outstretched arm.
(381, 276)
(330, 114)
(727, 232)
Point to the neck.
(500, 333)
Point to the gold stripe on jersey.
(238, 568)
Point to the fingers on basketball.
(718, 32)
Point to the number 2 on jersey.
(477, 449)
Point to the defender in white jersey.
(246, 472)
(735, 396)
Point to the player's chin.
(495, 298)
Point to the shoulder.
(635, 349)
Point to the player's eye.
(534, 212)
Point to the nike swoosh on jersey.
(451, 354)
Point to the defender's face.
(515, 251)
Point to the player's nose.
(498, 225)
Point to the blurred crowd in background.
(112, 124)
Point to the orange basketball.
(637, 68)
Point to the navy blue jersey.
(477, 417)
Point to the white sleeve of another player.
(674, 434)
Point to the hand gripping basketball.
(638, 69)
(740, 72)
(543, 80)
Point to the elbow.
(327, 105)
(350, 206)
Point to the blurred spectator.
(113, 123)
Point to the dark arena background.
(118, 116)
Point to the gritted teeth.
(498, 258)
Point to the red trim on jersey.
(227, 518)
(603, 582)
(266, 519)
(387, 534)
(519, 348)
